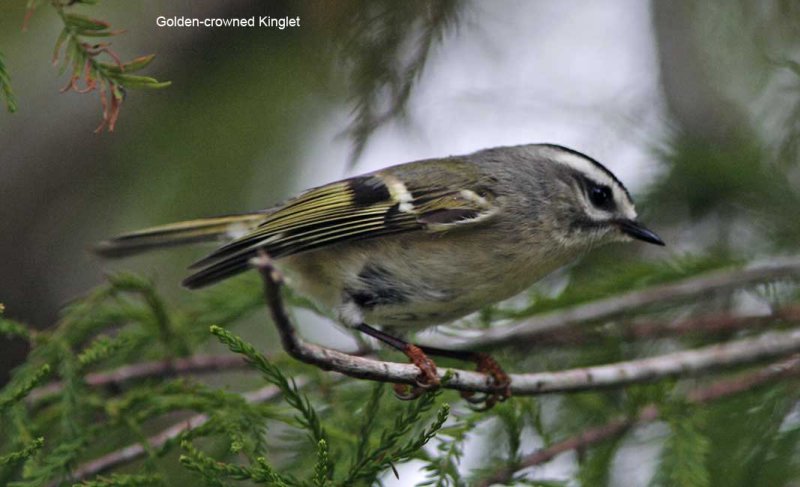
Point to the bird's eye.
(600, 196)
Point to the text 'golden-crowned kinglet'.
(420, 243)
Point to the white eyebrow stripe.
(586, 167)
(590, 169)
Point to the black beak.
(639, 232)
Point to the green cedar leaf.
(84, 23)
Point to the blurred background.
(695, 105)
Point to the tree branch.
(157, 368)
(618, 426)
(739, 352)
(692, 288)
(716, 323)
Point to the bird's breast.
(418, 280)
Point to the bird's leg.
(485, 365)
(418, 354)
(428, 377)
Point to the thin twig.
(692, 288)
(710, 324)
(157, 368)
(689, 362)
(718, 323)
(618, 426)
(137, 450)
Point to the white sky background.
(581, 74)
(577, 73)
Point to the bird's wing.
(359, 208)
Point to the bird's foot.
(427, 380)
(500, 384)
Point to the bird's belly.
(415, 281)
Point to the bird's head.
(589, 204)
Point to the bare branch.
(683, 363)
(692, 288)
(716, 323)
(739, 352)
(712, 324)
(142, 370)
(616, 427)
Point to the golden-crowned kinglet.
(424, 242)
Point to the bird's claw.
(428, 378)
(406, 392)
(480, 402)
(500, 384)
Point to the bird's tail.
(192, 231)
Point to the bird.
(421, 243)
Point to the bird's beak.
(640, 232)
